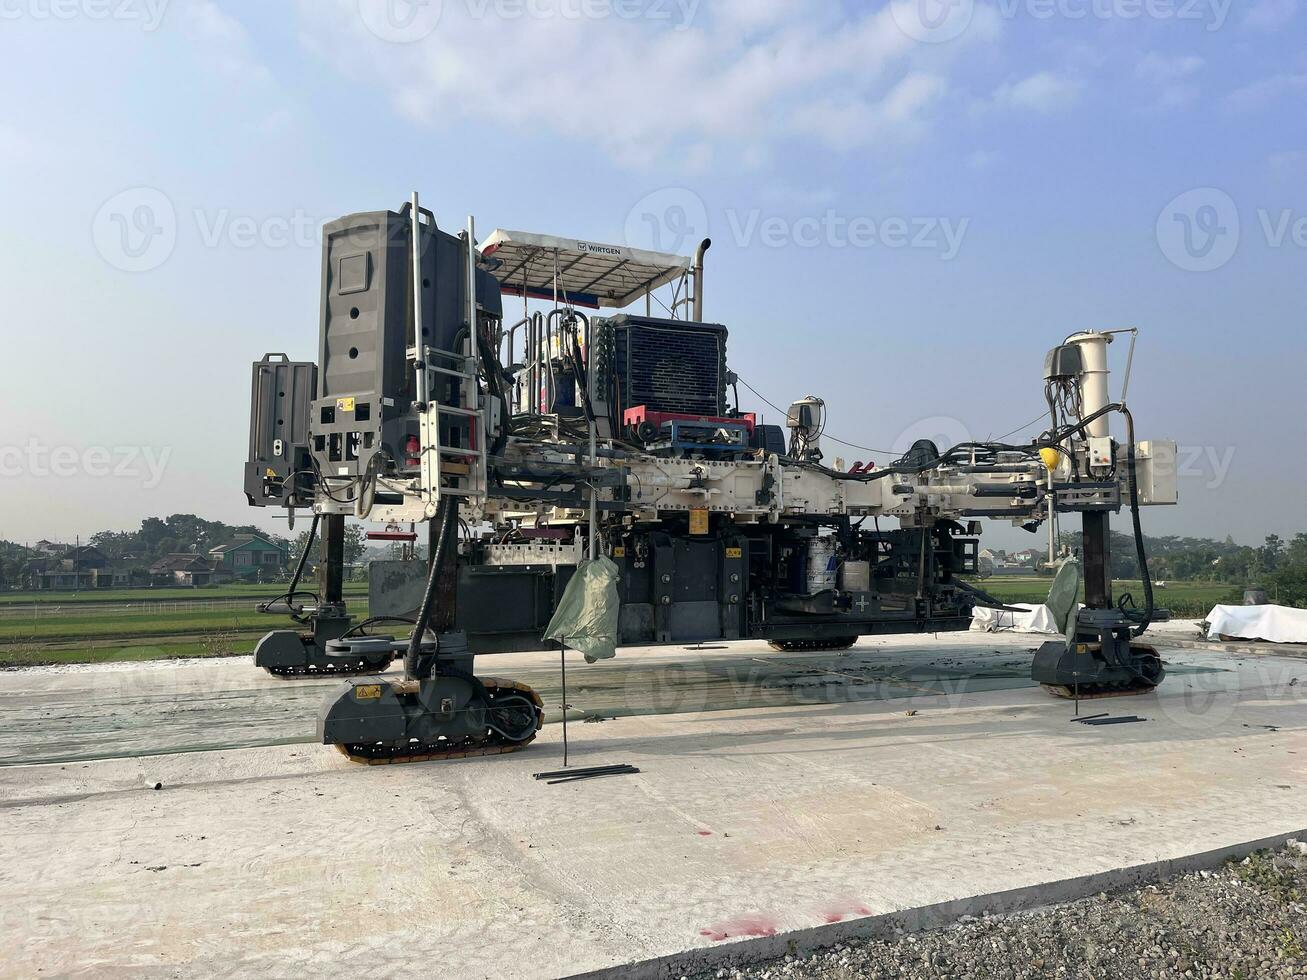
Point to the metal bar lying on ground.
(623, 771)
(592, 771)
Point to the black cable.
(304, 556)
(293, 590)
(376, 621)
(854, 445)
(494, 382)
(1144, 619)
(1009, 435)
(446, 513)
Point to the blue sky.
(910, 204)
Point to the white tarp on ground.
(1032, 619)
(1277, 624)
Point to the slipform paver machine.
(533, 448)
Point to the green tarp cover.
(1064, 597)
(586, 618)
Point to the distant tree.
(356, 543)
(1270, 553)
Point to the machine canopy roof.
(589, 274)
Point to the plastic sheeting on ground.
(1032, 619)
(586, 618)
(1275, 624)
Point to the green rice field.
(140, 624)
(162, 624)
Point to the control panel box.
(1156, 472)
(279, 471)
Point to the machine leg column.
(331, 569)
(1097, 546)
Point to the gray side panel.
(281, 405)
(367, 386)
(395, 588)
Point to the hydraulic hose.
(304, 555)
(445, 514)
(1149, 608)
(290, 594)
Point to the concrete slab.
(62, 714)
(743, 822)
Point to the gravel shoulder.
(1246, 920)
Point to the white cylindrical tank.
(1094, 386)
(821, 565)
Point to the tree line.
(1277, 565)
(176, 534)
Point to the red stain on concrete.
(705, 833)
(742, 927)
(839, 911)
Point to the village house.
(248, 555)
(186, 569)
(74, 569)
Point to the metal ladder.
(435, 472)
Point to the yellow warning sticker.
(699, 520)
(619, 552)
(345, 404)
(367, 692)
(734, 552)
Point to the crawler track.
(800, 646)
(343, 668)
(490, 743)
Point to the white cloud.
(1044, 92)
(1156, 67)
(1269, 15)
(225, 50)
(1260, 94)
(223, 43)
(1170, 78)
(654, 94)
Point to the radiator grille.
(672, 368)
